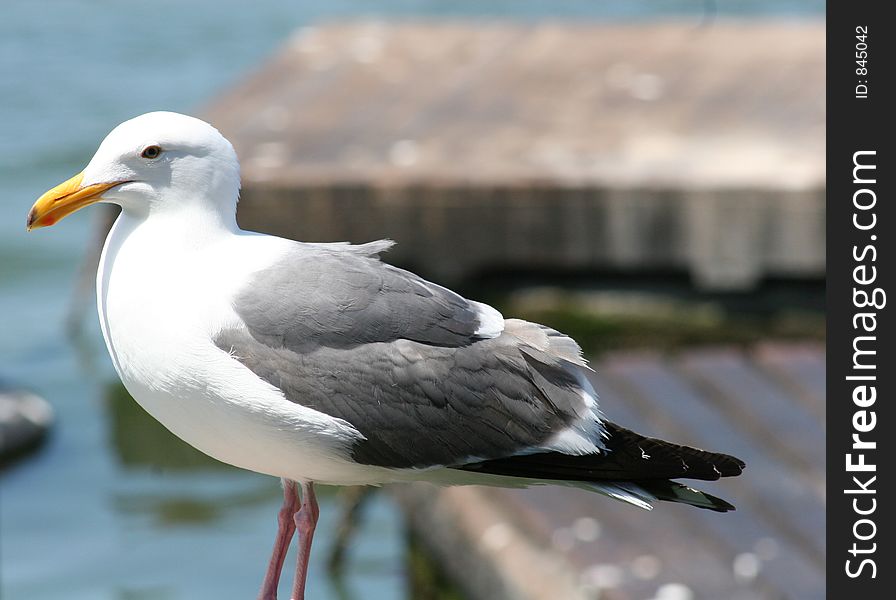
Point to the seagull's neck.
(177, 228)
(146, 248)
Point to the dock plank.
(635, 552)
(782, 498)
(800, 369)
(765, 410)
(791, 572)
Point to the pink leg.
(286, 526)
(305, 522)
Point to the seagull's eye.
(151, 152)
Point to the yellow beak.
(64, 199)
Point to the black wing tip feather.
(672, 491)
(723, 506)
(647, 463)
(629, 457)
(665, 460)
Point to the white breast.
(162, 295)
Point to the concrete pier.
(586, 148)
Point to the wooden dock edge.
(482, 549)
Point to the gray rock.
(25, 419)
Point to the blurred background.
(646, 176)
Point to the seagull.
(319, 363)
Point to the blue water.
(111, 508)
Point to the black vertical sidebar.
(861, 299)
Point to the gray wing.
(399, 359)
(342, 296)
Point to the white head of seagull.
(157, 162)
